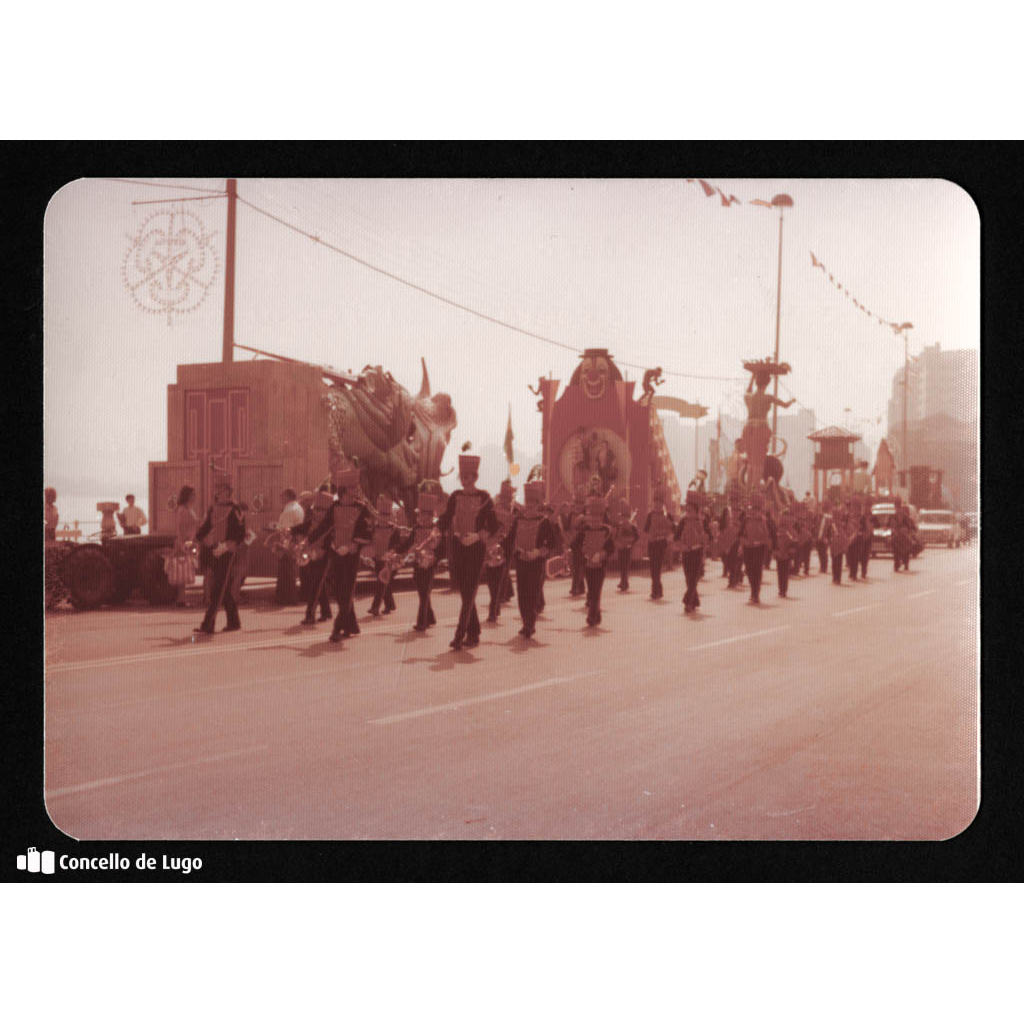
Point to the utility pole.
(781, 201)
(227, 355)
(906, 380)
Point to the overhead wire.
(452, 302)
(159, 184)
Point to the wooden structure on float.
(263, 421)
(833, 452)
(597, 427)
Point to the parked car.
(883, 516)
(936, 526)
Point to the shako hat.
(469, 463)
(693, 498)
(343, 478)
(533, 490)
(426, 502)
(507, 488)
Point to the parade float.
(597, 435)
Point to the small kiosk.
(833, 462)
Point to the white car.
(936, 526)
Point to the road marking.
(733, 639)
(920, 593)
(859, 608)
(455, 705)
(206, 647)
(224, 689)
(115, 780)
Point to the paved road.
(840, 713)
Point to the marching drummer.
(314, 561)
(532, 540)
(422, 544)
(658, 526)
(469, 520)
(626, 535)
(594, 545)
(386, 538)
(693, 535)
(346, 527)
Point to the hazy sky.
(651, 269)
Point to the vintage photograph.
(511, 509)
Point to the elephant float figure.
(398, 440)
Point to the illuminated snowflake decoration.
(170, 264)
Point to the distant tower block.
(107, 526)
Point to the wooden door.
(217, 430)
(260, 483)
(165, 481)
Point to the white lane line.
(201, 647)
(455, 705)
(920, 593)
(223, 689)
(734, 639)
(115, 780)
(859, 608)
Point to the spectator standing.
(132, 519)
(186, 522)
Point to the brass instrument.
(424, 553)
(191, 548)
(392, 563)
(556, 566)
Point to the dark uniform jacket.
(346, 524)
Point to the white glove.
(221, 549)
(469, 538)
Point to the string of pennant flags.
(728, 200)
(897, 328)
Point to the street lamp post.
(781, 201)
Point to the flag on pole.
(509, 456)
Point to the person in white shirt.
(132, 519)
(292, 515)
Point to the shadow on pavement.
(444, 662)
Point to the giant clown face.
(594, 374)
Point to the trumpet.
(302, 554)
(392, 563)
(423, 553)
(495, 554)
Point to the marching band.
(486, 540)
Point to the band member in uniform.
(822, 528)
(853, 536)
(532, 540)
(346, 527)
(865, 524)
(423, 542)
(658, 526)
(837, 534)
(576, 556)
(757, 539)
(386, 538)
(221, 532)
(626, 535)
(314, 573)
(787, 543)
(692, 536)
(594, 543)
(904, 533)
(469, 519)
(498, 569)
(804, 539)
(729, 539)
